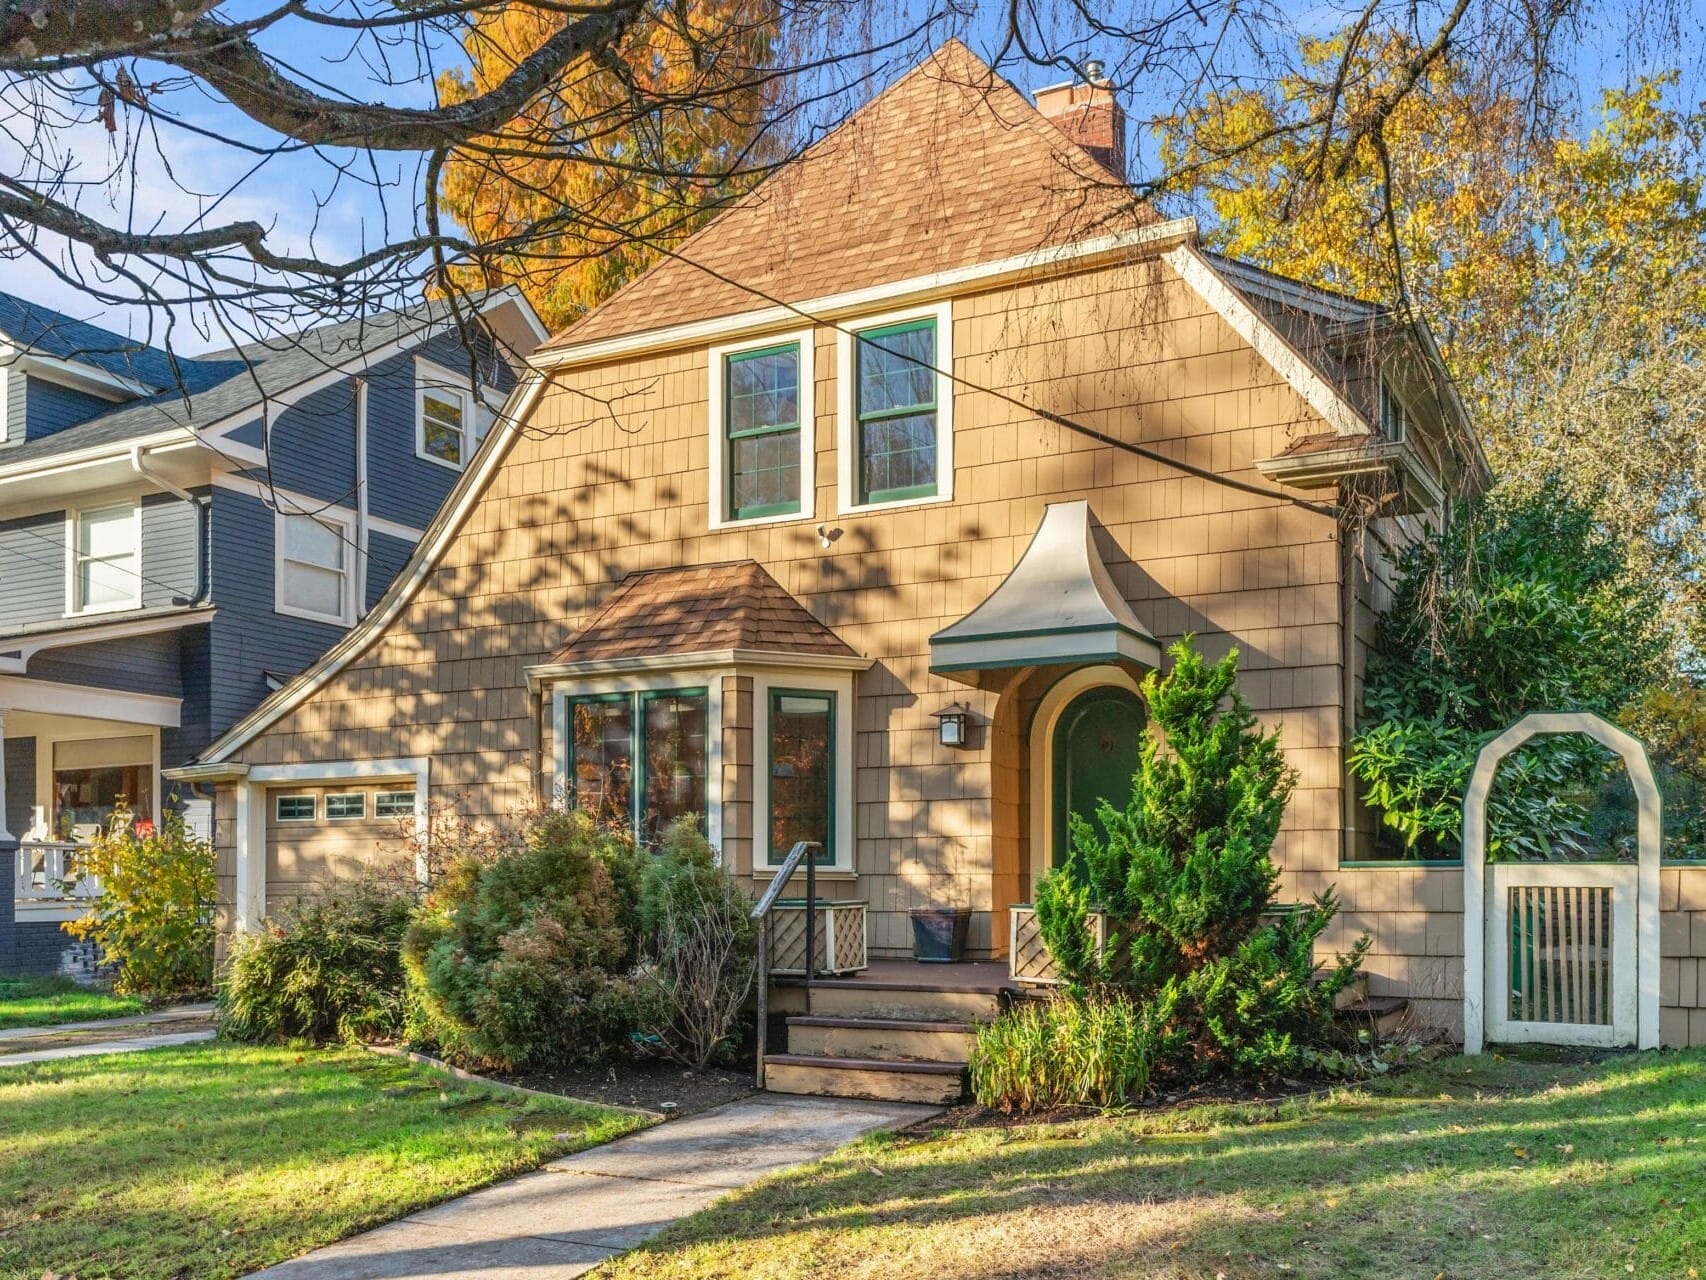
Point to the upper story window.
(312, 576)
(106, 551)
(1394, 417)
(897, 444)
(761, 431)
(444, 416)
(638, 761)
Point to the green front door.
(1096, 741)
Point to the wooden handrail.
(804, 850)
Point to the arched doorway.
(1561, 953)
(1085, 738)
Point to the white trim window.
(295, 808)
(1394, 413)
(311, 569)
(444, 416)
(346, 806)
(104, 549)
(897, 409)
(394, 804)
(762, 447)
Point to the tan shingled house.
(937, 430)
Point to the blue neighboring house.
(179, 535)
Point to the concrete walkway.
(574, 1213)
(160, 1017)
(90, 1048)
(183, 1024)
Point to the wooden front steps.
(900, 1031)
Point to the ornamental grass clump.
(1187, 884)
(1066, 1052)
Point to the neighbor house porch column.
(8, 868)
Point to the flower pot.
(939, 933)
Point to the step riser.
(843, 1082)
(917, 1006)
(861, 1042)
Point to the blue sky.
(309, 206)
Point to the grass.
(29, 1001)
(210, 1161)
(1466, 1168)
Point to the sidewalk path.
(575, 1212)
(185, 1024)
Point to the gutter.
(203, 524)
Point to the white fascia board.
(49, 697)
(87, 378)
(1287, 361)
(548, 673)
(58, 462)
(206, 773)
(404, 587)
(396, 769)
(856, 302)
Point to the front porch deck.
(975, 977)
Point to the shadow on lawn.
(1475, 1182)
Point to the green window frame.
(885, 402)
(782, 830)
(761, 422)
(641, 768)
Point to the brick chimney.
(1087, 112)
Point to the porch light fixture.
(953, 725)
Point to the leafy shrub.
(1522, 604)
(153, 918)
(1187, 883)
(525, 958)
(700, 946)
(330, 968)
(1066, 1052)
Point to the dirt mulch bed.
(648, 1083)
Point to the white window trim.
(358, 817)
(279, 817)
(719, 473)
(841, 686)
(346, 533)
(384, 817)
(847, 425)
(443, 383)
(72, 515)
(711, 681)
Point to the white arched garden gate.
(1561, 952)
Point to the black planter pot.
(939, 934)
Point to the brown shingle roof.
(703, 607)
(948, 167)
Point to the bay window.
(637, 761)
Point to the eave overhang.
(1058, 605)
(1346, 458)
(549, 673)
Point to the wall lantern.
(953, 725)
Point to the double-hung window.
(801, 771)
(638, 761)
(444, 416)
(896, 428)
(312, 570)
(1394, 417)
(762, 419)
(105, 573)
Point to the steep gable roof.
(948, 167)
(698, 609)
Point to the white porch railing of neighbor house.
(46, 872)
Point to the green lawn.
(212, 1160)
(27, 1001)
(1468, 1168)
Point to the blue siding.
(136, 664)
(313, 445)
(195, 728)
(169, 545)
(249, 638)
(253, 434)
(20, 785)
(386, 557)
(49, 407)
(32, 569)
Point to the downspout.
(202, 530)
(361, 497)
